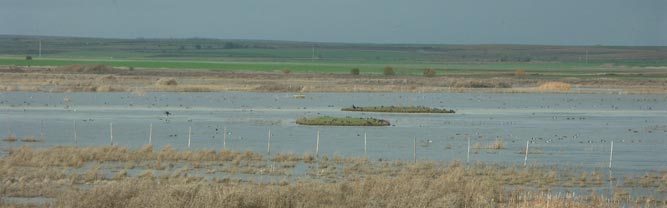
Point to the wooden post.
(224, 138)
(189, 136)
(468, 156)
(268, 150)
(414, 149)
(150, 134)
(41, 130)
(111, 133)
(611, 153)
(317, 147)
(76, 139)
(365, 145)
(525, 159)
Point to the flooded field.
(562, 129)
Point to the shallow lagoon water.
(570, 129)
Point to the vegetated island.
(398, 109)
(338, 121)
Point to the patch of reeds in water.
(338, 182)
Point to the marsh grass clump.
(107, 79)
(398, 109)
(166, 82)
(339, 121)
(9, 138)
(519, 73)
(30, 139)
(496, 145)
(286, 157)
(554, 86)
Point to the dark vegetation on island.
(339, 121)
(398, 109)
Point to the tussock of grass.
(166, 82)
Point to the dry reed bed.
(77, 156)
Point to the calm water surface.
(568, 129)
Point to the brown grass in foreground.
(104, 177)
(451, 190)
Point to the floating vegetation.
(398, 109)
(338, 121)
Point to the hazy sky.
(562, 22)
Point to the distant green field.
(212, 54)
(304, 66)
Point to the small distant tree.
(389, 71)
(198, 46)
(430, 72)
(286, 70)
(354, 71)
(28, 58)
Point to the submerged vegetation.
(346, 121)
(398, 109)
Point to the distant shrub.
(430, 72)
(286, 70)
(389, 71)
(28, 58)
(519, 72)
(355, 71)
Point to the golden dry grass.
(555, 86)
(339, 182)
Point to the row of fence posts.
(317, 144)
